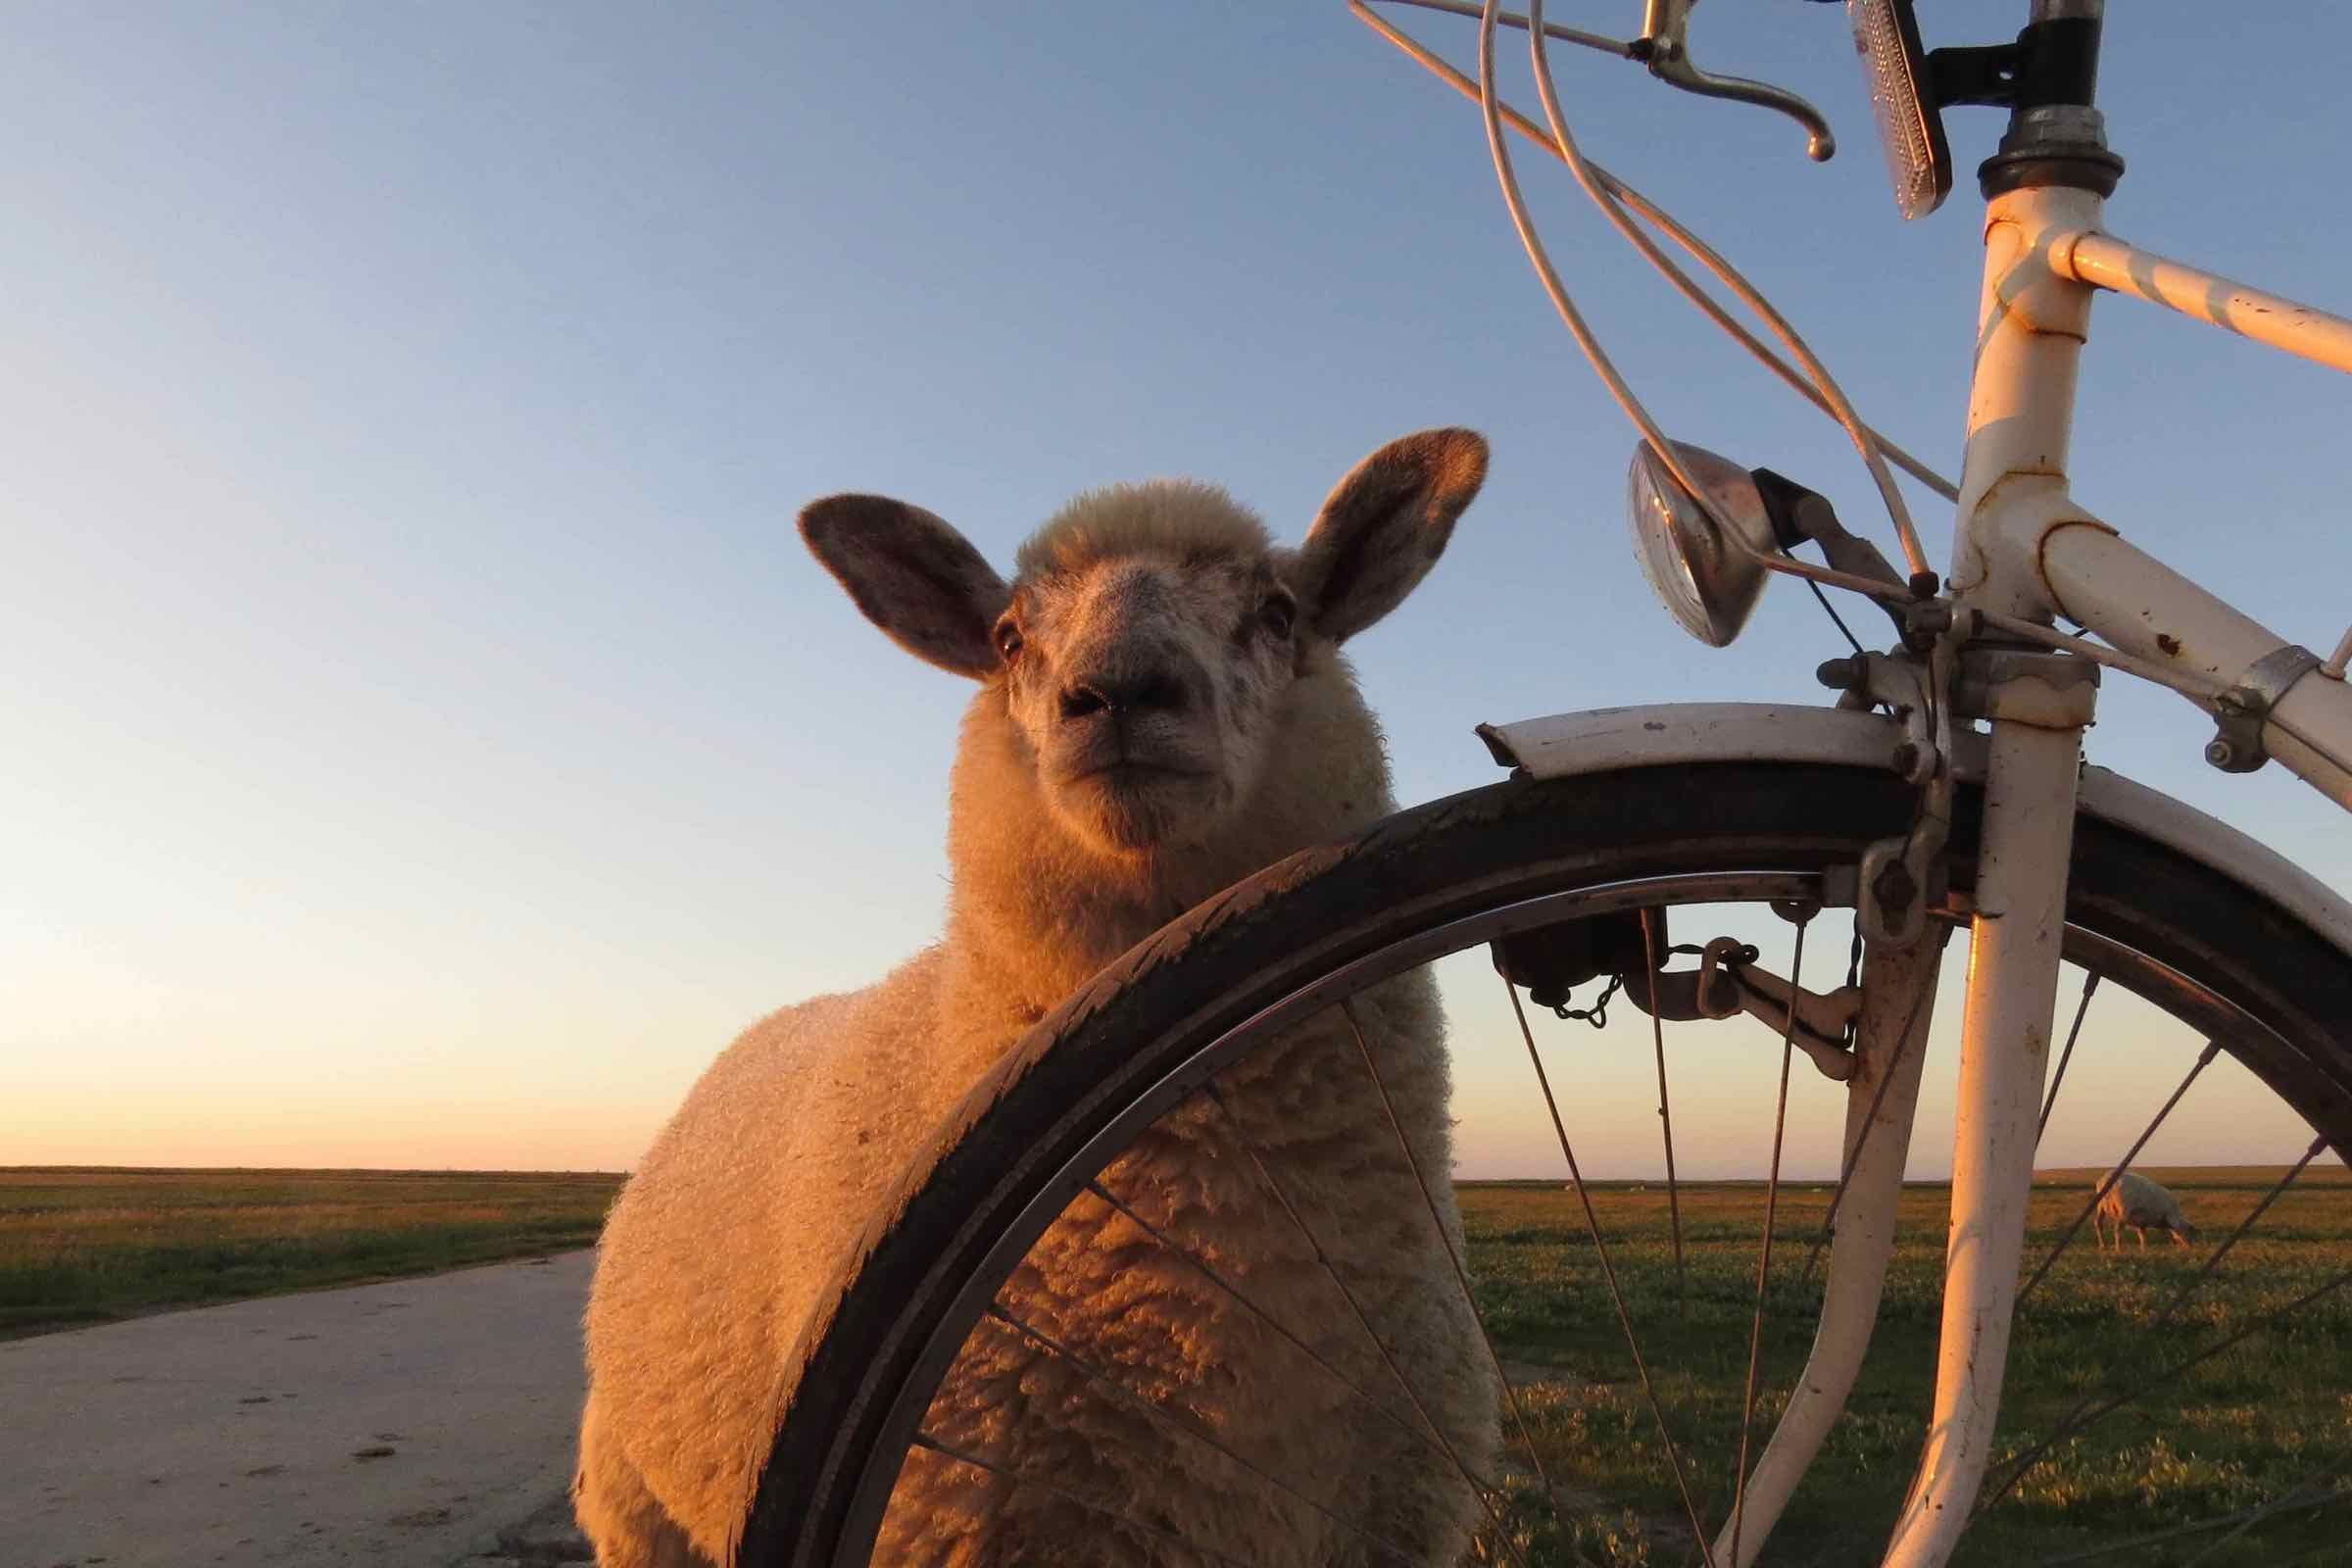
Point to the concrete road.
(401, 1426)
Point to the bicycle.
(1891, 803)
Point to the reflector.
(1910, 128)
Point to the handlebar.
(1664, 48)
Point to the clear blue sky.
(428, 741)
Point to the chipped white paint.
(2104, 261)
(2032, 328)
(2015, 941)
(2028, 549)
(2145, 608)
(1602, 740)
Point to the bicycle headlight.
(1708, 581)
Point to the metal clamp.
(1894, 682)
(2046, 690)
(1898, 876)
(2240, 711)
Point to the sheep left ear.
(912, 576)
(1384, 527)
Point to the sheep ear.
(1385, 526)
(913, 576)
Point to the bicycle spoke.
(1772, 1198)
(1608, 1269)
(1024, 1478)
(2212, 1048)
(2078, 1417)
(2309, 1495)
(1189, 1426)
(1363, 1322)
(1191, 1259)
(1461, 1275)
(1657, 1038)
(2086, 1417)
(2316, 1492)
(2090, 983)
(1186, 1255)
(2188, 1285)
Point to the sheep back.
(2140, 1202)
(725, 1236)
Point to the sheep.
(1162, 709)
(2140, 1204)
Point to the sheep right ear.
(913, 576)
(1385, 526)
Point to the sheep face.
(1144, 646)
(1144, 683)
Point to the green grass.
(81, 1246)
(2243, 1428)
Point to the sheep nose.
(1157, 692)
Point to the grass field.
(2246, 1426)
(82, 1246)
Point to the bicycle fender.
(1610, 739)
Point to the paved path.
(401, 1425)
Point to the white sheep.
(1162, 709)
(2143, 1205)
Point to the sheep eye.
(1279, 613)
(1007, 638)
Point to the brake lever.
(1664, 48)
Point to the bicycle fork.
(2032, 326)
(2039, 704)
(2016, 938)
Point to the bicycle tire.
(1142, 1032)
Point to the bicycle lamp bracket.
(1710, 574)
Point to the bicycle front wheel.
(1614, 1348)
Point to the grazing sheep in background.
(2140, 1204)
(1162, 709)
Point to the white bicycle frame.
(2026, 549)
(2025, 554)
